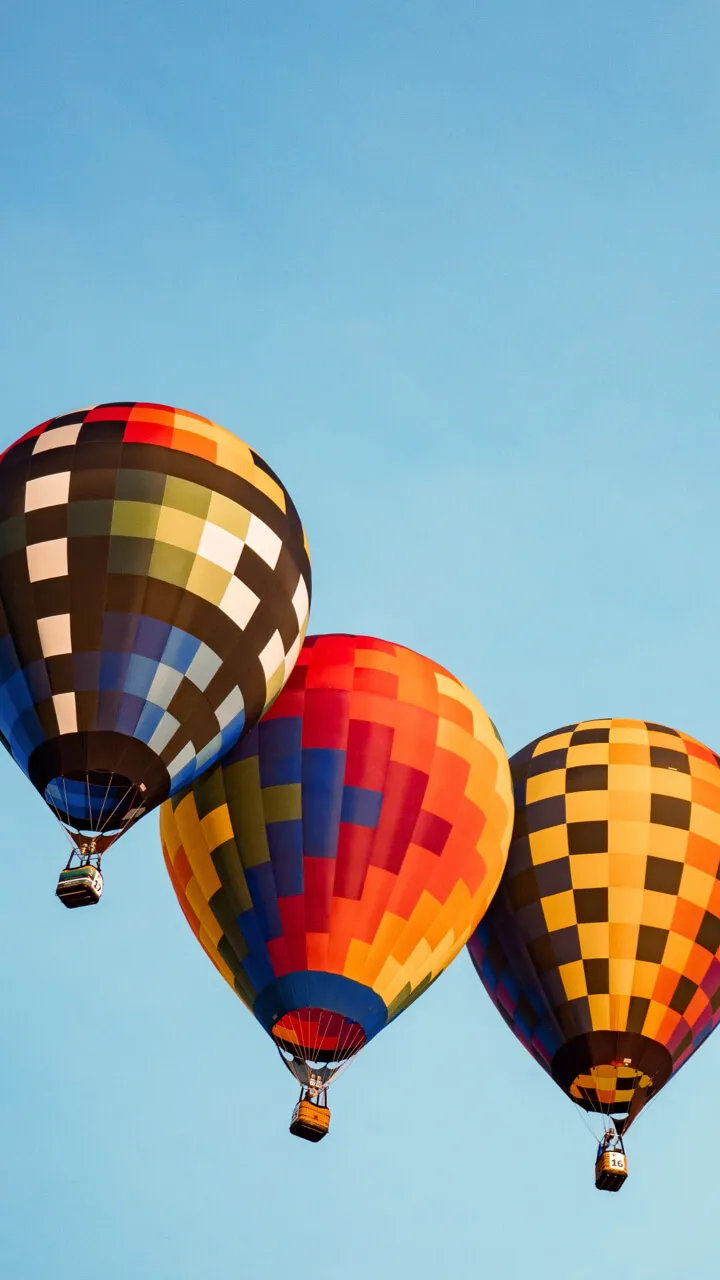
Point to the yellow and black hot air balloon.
(600, 949)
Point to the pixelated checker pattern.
(154, 582)
(608, 914)
(360, 830)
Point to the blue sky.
(453, 269)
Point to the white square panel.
(47, 491)
(205, 756)
(292, 657)
(55, 634)
(66, 712)
(57, 437)
(263, 541)
(47, 559)
(183, 758)
(301, 601)
(165, 685)
(239, 602)
(203, 667)
(273, 655)
(220, 547)
(163, 733)
(230, 708)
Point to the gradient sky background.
(453, 269)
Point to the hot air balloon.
(339, 857)
(600, 949)
(154, 594)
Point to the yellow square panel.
(677, 950)
(134, 519)
(644, 979)
(619, 1008)
(670, 741)
(547, 845)
(229, 515)
(594, 940)
(667, 842)
(355, 964)
(600, 1012)
(705, 770)
(588, 753)
(706, 793)
(668, 782)
(394, 977)
(696, 886)
(172, 844)
(555, 743)
(179, 529)
(654, 1019)
(630, 777)
(626, 870)
(217, 827)
(587, 806)
(628, 805)
(625, 906)
(589, 870)
(705, 822)
(452, 737)
(208, 580)
(629, 753)
(623, 940)
(209, 936)
(658, 909)
(559, 910)
(544, 785)
(451, 689)
(380, 661)
(627, 838)
(628, 731)
(573, 979)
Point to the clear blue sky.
(454, 270)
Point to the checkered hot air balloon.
(339, 857)
(601, 947)
(154, 594)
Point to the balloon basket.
(80, 886)
(610, 1169)
(310, 1120)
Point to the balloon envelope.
(335, 861)
(154, 591)
(600, 947)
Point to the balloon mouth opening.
(610, 1087)
(95, 802)
(316, 1044)
(614, 1073)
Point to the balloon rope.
(316, 1043)
(582, 1117)
(90, 812)
(67, 806)
(102, 807)
(123, 798)
(65, 831)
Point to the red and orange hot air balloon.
(336, 861)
